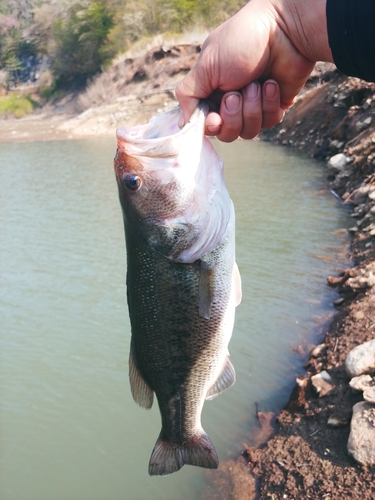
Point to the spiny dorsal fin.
(142, 394)
(226, 379)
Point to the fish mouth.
(161, 127)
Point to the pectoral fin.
(141, 392)
(205, 292)
(225, 380)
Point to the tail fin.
(169, 457)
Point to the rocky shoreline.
(305, 454)
(323, 443)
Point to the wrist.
(305, 23)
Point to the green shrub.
(15, 105)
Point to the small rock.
(316, 351)
(359, 195)
(337, 421)
(369, 394)
(359, 126)
(338, 161)
(363, 125)
(338, 302)
(361, 383)
(361, 359)
(359, 315)
(361, 443)
(371, 277)
(322, 383)
(335, 281)
(367, 121)
(366, 104)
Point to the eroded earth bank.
(330, 416)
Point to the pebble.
(337, 421)
(359, 315)
(316, 351)
(363, 125)
(369, 395)
(338, 302)
(338, 161)
(322, 383)
(361, 443)
(361, 359)
(361, 383)
(359, 195)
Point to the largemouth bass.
(182, 281)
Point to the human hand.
(261, 43)
(244, 112)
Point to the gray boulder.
(361, 359)
(361, 443)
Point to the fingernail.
(232, 103)
(270, 90)
(181, 120)
(214, 129)
(252, 90)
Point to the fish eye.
(132, 182)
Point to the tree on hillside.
(81, 39)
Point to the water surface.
(69, 428)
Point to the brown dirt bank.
(306, 458)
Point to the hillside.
(130, 92)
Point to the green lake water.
(69, 429)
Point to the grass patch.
(17, 106)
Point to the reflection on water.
(69, 427)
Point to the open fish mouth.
(162, 126)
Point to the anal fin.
(225, 380)
(141, 392)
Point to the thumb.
(189, 92)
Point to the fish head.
(168, 180)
